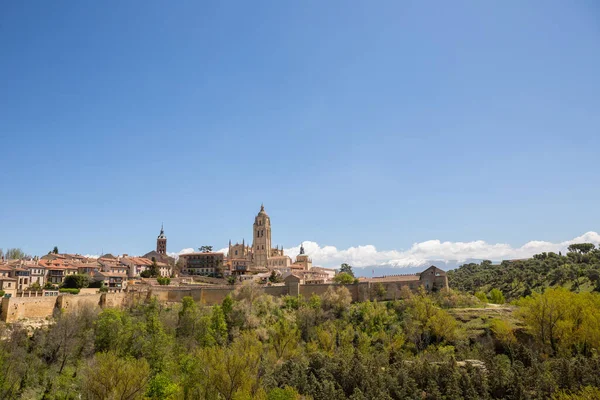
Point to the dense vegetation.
(578, 271)
(254, 346)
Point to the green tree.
(582, 248)
(154, 270)
(482, 297)
(110, 377)
(284, 337)
(232, 372)
(336, 300)
(287, 393)
(15, 254)
(77, 281)
(505, 334)
(227, 305)
(219, 325)
(206, 249)
(343, 278)
(347, 269)
(188, 318)
(274, 277)
(112, 331)
(55, 250)
(562, 321)
(161, 387)
(496, 297)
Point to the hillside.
(578, 271)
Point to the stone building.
(161, 242)
(261, 256)
(204, 263)
(431, 279)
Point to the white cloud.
(91, 256)
(182, 251)
(427, 252)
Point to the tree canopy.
(77, 281)
(441, 345)
(345, 268)
(578, 270)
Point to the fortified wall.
(16, 308)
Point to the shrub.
(69, 290)
(1, 293)
(146, 274)
(482, 297)
(496, 297)
(163, 281)
(96, 284)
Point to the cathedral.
(261, 256)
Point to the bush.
(146, 274)
(69, 290)
(96, 284)
(1, 293)
(496, 297)
(482, 297)
(163, 281)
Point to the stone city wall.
(68, 302)
(16, 308)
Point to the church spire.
(161, 241)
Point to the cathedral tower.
(261, 243)
(161, 242)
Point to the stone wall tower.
(161, 242)
(261, 243)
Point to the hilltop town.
(258, 261)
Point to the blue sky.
(356, 123)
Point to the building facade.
(205, 263)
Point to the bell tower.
(161, 242)
(261, 243)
